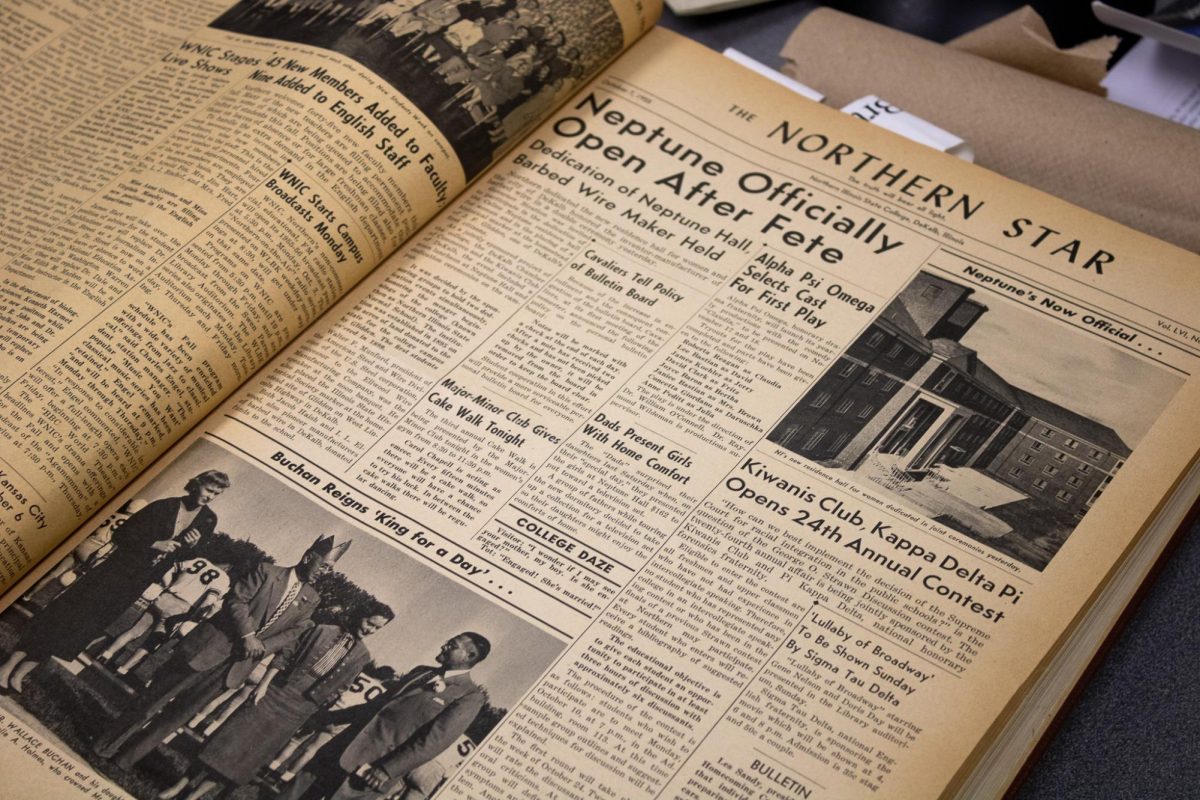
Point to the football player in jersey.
(190, 591)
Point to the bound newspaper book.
(402, 398)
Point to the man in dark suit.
(426, 712)
(266, 611)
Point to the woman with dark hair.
(143, 548)
(303, 678)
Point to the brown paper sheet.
(1022, 41)
(1128, 166)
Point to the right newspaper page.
(714, 444)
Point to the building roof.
(1000, 387)
(898, 315)
(968, 361)
(1065, 419)
(951, 350)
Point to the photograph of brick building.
(1012, 456)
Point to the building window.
(1071, 443)
(1050, 469)
(931, 292)
(1027, 459)
(875, 339)
(847, 369)
(1035, 445)
(1064, 495)
(1047, 433)
(1074, 480)
(1038, 483)
(912, 359)
(1084, 468)
(866, 411)
(844, 406)
(815, 438)
(1015, 472)
(944, 381)
(895, 350)
(838, 442)
(820, 400)
(1118, 465)
(1060, 457)
(1095, 454)
(891, 384)
(870, 377)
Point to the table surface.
(1133, 730)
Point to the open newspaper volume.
(710, 443)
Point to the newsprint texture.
(416, 405)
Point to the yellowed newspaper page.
(169, 224)
(60, 60)
(714, 444)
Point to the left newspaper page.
(187, 187)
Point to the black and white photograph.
(224, 636)
(482, 70)
(988, 417)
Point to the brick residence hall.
(909, 391)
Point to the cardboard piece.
(1129, 166)
(1022, 41)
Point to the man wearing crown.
(267, 610)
